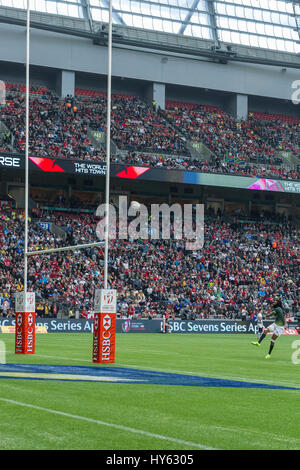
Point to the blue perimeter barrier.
(55, 325)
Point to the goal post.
(25, 323)
(64, 248)
(108, 296)
(104, 331)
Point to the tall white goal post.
(105, 311)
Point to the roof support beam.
(212, 19)
(297, 17)
(188, 17)
(87, 12)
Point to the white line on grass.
(111, 425)
(256, 431)
(206, 426)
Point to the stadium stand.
(55, 130)
(243, 260)
(241, 265)
(258, 139)
(148, 136)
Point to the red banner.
(104, 338)
(25, 333)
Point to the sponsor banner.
(54, 325)
(52, 165)
(104, 336)
(25, 333)
(135, 326)
(25, 323)
(197, 326)
(11, 161)
(7, 329)
(85, 325)
(12, 329)
(207, 179)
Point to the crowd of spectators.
(252, 140)
(240, 267)
(152, 137)
(56, 130)
(5, 142)
(135, 125)
(213, 166)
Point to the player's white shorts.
(276, 329)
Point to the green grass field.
(44, 414)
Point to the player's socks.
(271, 346)
(262, 337)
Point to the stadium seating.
(148, 136)
(241, 264)
(274, 117)
(259, 139)
(135, 125)
(55, 130)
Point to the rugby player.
(277, 327)
(260, 325)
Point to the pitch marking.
(110, 425)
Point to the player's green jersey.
(279, 316)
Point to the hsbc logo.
(104, 337)
(107, 322)
(25, 333)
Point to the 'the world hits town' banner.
(143, 173)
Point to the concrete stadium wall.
(60, 52)
(257, 103)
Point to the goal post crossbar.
(64, 248)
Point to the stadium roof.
(268, 24)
